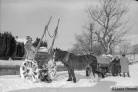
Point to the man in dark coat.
(115, 66)
(44, 75)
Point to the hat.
(28, 38)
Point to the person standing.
(115, 66)
(124, 62)
(29, 48)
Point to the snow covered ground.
(13, 83)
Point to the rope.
(55, 34)
(51, 36)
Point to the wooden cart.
(37, 68)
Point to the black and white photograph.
(68, 45)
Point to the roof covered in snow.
(43, 49)
(22, 40)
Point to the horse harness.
(66, 57)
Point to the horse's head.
(57, 55)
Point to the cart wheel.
(29, 70)
(52, 69)
(52, 72)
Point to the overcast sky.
(28, 17)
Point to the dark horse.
(70, 61)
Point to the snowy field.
(13, 83)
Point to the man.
(115, 66)
(124, 62)
(44, 74)
(30, 50)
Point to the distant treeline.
(10, 48)
(7, 45)
(43, 43)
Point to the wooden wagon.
(103, 65)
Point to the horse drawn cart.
(103, 65)
(40, 67)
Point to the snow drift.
(14, 82)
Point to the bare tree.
(135, 50)
(82, 45)
(86, 43)
(108, 19)
(125, 48)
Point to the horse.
(71, 60)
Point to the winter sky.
(28, 17)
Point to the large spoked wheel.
(29, 70)
(52, 72)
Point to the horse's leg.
(102, 75)
(93, 70)
(70, 77)
(87, 71)
(73, 75)
(69, 74)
